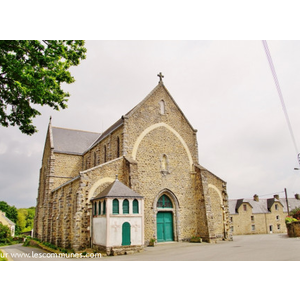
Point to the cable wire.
(280, 96)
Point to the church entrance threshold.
(165, 227)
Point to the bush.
(290, 219)
(5, 235)
(295, 213)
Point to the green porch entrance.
(164, 226)
(126, 241)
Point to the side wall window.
(95, 208)
(104, 207)
(118, 146)
(125, 206)
(99, 208)
(115, 206)
(135, 208)
(105, 154)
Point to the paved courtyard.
(265, 247)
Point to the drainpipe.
(91, 224)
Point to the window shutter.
(125, 206)
(115, 206)
(135, 207)
(104, 207)
(99, 208)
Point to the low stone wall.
(293, 229)
(121, 250)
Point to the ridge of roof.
(201, 168)
(109, 130)
(263, 205)
(72, 129)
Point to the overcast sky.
(225, 89)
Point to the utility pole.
(287, 202)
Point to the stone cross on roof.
(161, 76)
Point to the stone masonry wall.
(70, 208)
(98, 155)
(67, 166)
(174, 178)
(215, 203)
(148, 113)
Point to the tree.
(31, 73)
(11, 212)
(25, 220)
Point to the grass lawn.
(1, 256)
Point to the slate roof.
(263, 205)
(72, 141)
(108, 131)
(117, 190)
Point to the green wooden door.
(164, 226)
(126, 234)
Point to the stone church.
(139, 180)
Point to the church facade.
(153, 151)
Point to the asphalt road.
(266, 247)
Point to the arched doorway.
(126, 240)
(164, 219)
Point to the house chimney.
(297, 196)
(255, 198)
(276, 197)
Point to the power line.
(280, 95)
(271, 194)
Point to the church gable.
(159, 109)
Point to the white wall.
(99, 231)
(115, 234)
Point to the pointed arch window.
(164, 163)
(135, 206)
(164, 202)
(162, 107)
(125, 206)
(116, 206)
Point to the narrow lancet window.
(162, 107)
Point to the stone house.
(153, 150)
(7, 222)
(260, 216)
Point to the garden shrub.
(290, 219)
(5, 235)
(295, 213)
